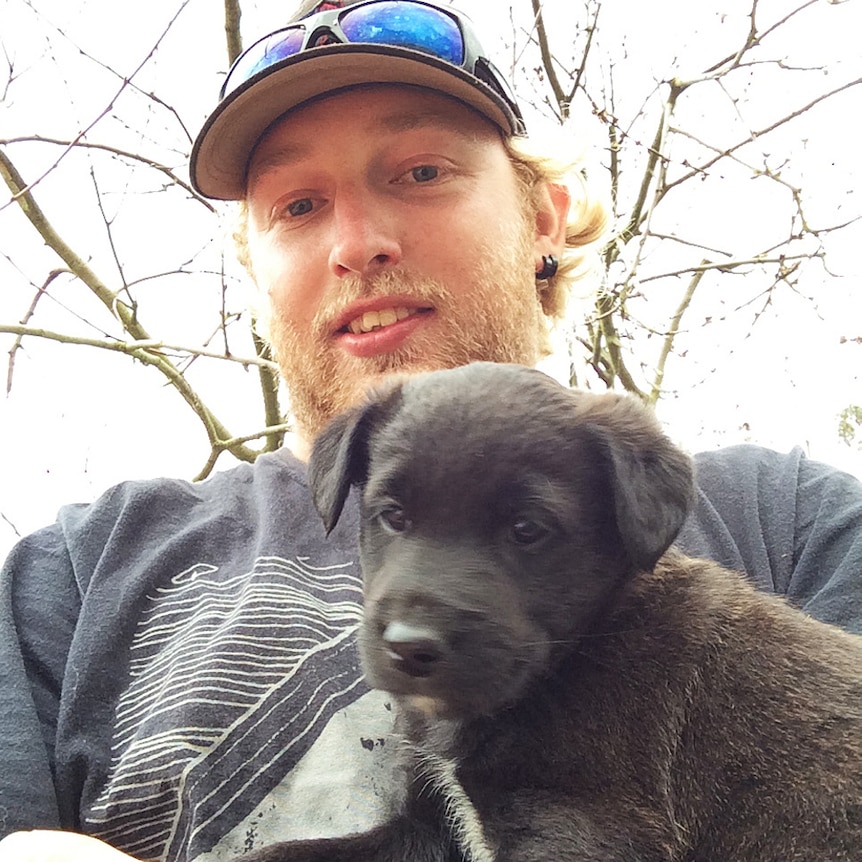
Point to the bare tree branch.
(269, 378)
(547, 59)
(724, 266)
(116, 151)
(753, 38)
(232, 15)
(763, 132)
(230, 445)
(132, 348)
(110, 299)
(16, 345)
(673, 330)
(106, 110)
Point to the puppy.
(569, 686)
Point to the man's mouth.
(370, 321)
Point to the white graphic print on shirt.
(232, 680)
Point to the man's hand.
(48, 846)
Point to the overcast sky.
(78, 420)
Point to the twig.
(764, 131)
(753, 38)
(116, 151)
(124, 313)
(133, 347)
(591, 31)
(16, 345)
(232, 15)
(107, 109)
(547, 59)
(673, 330)
(229, 445)
(723, 266)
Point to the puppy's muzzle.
(414, 650)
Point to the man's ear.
(553, 201)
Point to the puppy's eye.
(527, 532)
(395, 520)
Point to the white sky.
(78, 420)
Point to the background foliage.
(723, 133)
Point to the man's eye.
(425, 173)
(300, 208)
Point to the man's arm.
(827, 574)
(792, 525)
(39, 605)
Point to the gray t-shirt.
(179, 673)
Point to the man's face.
(387, 228)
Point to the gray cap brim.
(221, 153)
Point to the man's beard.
(498, 319)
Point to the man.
(180, 677)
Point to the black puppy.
(569, 688)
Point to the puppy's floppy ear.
(651, 479)
(339, 457)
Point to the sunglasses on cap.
(411, 24)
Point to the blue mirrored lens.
(263, 54)
(406, 25)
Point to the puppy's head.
(500, 514)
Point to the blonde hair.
(588, 220)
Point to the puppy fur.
(570, 686)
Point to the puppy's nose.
(415, 650)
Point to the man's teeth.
(372, 320)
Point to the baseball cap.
(336, 47)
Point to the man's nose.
(365, 236)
